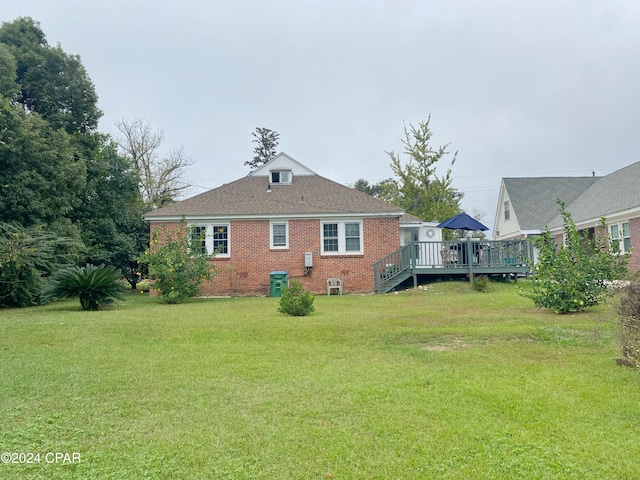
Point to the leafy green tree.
(573, 275)
(26, 257)
(96, 287)
(375, 190)
(177, 264)
(416, 186)
(110, 216)
(50, 82)
(8, 73)
(265, 150)
(40, 177)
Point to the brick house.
(284, 217)
(527, 205)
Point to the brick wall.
(247, 270)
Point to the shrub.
(295, 301)
(574, 275)
(481, 283)
(177, 264)
(629, 313)
(26, 257)
(96, 287)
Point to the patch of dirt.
(454, 344)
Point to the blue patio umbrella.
(462, 221)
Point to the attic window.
(281, 176)
(507, 213)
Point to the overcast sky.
(519, 88)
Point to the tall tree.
(376, 190)
(267, 142)
(161, 177)
(57, 174)
(8, 73)
(40, 177)
(110, 218)
(50, 81)
(416, 186)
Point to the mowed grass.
(442, 383)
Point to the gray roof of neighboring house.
(534, 198)
(306, 195)
(616, 192)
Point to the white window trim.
(209, 237)
(286, 234)
(201, 226)
(281, 171)
(342, 248)
(621, 236)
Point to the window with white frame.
(507, 211)
(620, 237)
(199, 238)
(280, 176)
(279, 235)
(220, 239)
(341, 237)
(211, 239)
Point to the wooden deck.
(465, 257)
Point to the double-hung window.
(221, 240)
(620, 237)
(279, 235)
(211, 239)
(507, 211)
(199, 238)
(341, 237)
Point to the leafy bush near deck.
(481, 283)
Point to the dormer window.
(281, 176)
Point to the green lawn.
(443, 383)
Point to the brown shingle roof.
(307, 194)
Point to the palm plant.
(95, 286)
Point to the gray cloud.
(518, 88)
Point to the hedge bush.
(296, 301)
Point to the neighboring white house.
(527, 205)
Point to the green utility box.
(278, 280)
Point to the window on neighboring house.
(342, 237)
(280, 176)
(221, 239)
(279, 235)
(620, 237)
(507, 213)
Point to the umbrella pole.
(470, 258)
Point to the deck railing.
(450, 257)
(395, 267)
